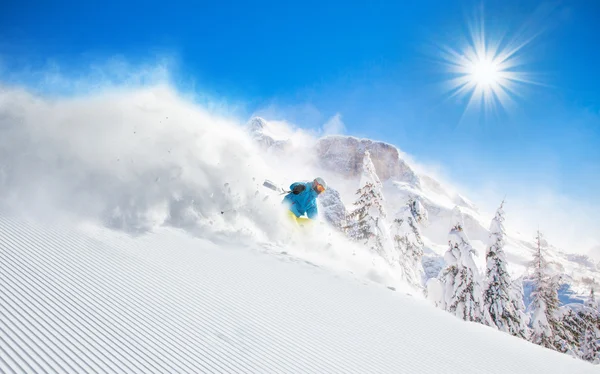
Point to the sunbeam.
(485, 70)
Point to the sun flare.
(485, 70)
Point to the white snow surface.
(81, 298)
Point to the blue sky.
(374, 63)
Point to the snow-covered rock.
(258, 130)
(344, 155)
(432, 265)
(256, 127)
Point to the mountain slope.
(339, 158)
(81, 298)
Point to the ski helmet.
(319, 185)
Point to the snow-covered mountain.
(340, 159)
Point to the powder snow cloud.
(121, 144)
(138, 156)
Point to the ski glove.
(298, 189)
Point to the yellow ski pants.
(299, 221)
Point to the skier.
(303, 199)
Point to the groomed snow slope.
(80, 298)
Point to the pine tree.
(590, 313)
(590, 351)
(362, 226)
(545, 303)
(569, 331)
(591, 301)
(367, 222)
(461, 280)
(497, 294)
(448, 275)
(563, 341)
(408, 242)
(517, 298)
(418, 211)
(590, 332)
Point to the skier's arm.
(312, 212)
(297, 188)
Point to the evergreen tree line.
(492, 299)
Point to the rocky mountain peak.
(344, 154)
(256, 125)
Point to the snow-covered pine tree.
(569, 331)
(574, 325)
(367, 222)
(461, 280)
(545, 303)
(517, 298)
(447, 277)
(361, 225)
(591, 301)
(497, 293)
(589, 349)
(589, 315)
(418, 211)
(408, 243)
(590, 312)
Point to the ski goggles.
(318, 187)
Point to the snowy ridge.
(88, 299)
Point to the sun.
(484, 73)
(486, 70)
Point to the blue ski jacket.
(302, 199)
